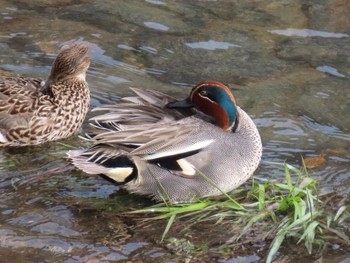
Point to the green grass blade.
(276, 243)
(288, 178)
(261, 196)
(329, 221)
(339, 212)
(167, 228)
(168, 211)
(253, 220)
(297, 210)
(299, 221)
(309, 235)
(306, 182)
(291, 208)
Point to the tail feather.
(104, 159)
(82, 162)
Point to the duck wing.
(142, 127)
(147, 107)
(19, 98)
(166, 145)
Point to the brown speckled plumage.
(34, 112)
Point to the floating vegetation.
(267, 212)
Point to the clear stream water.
(288, 63)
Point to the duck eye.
(203, 93)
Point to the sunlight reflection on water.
(330, 70)
(307, 33)
(156, 26)
(211, 45)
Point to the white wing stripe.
(194, 147)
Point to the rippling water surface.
(287, 62)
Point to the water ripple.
(327, 129)
(281, 125)
(330, 70)
(211, 45)
(307, 33)
(156, 26)
(155, 2)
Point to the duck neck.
(226, 115)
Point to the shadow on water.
(287, 63)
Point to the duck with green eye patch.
(155, 145)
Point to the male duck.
(154, 146)
(34, 112)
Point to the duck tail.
(104, 159)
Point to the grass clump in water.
(266, 212)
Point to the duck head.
(72, 62)
(214, 99)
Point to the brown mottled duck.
(33, 111)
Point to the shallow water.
(287, 61)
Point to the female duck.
(154, 146)
(34, 112)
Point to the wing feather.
(157, 140)
(143, 127)
(18, 98)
